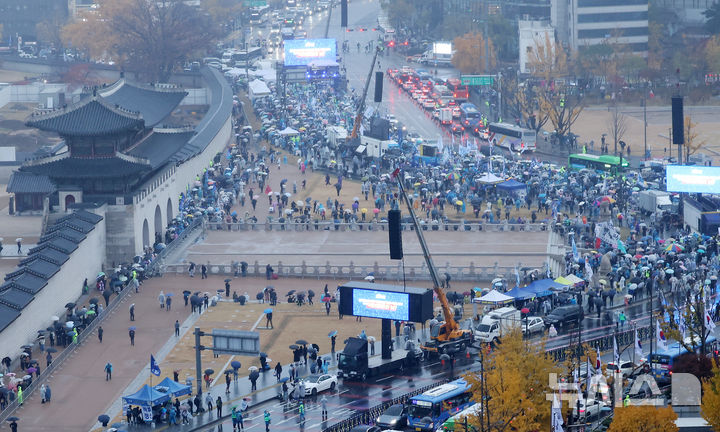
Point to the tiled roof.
(26, 182)
(64, 233)
(91, 116)
(61, 244)
(72, 223)
(48, 254)
(14, 297)
(39, 267)
(160, 147)
(83, 215)
(7, 316)
(154, 103)
(28, 283)
(72, 167)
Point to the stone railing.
(303, 270)
(327, 225)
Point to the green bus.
(604, 163)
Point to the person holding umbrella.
(268, 317)
(227, 288)
(253, 377)
(278, 371)
(131, 333)
(132, 312)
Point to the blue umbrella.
(333, 333)
(268, 310)
(235, 364)
(169, 295)
(132, 328)
(284, 379)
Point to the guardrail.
(156, 267)
(303, 270)
(368, 416)
(329, 225)
(602, 342)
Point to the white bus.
(511, 137)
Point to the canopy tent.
(512, 185)
(146, 396)
(266, 74)
(564, 281)
(288, 131)
(172, 388)
(543, 287)
(523, 293)
(489, 178)
(258, 89)
(493, 297)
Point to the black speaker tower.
(678, 121)
(378, 86)
(343, 13)
(395, 235)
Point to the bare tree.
(616, 125)
(692, 142)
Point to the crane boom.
(451, 326)
(361, 106)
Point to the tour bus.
(258, 14)
(460, 92)
(604, 163)
(429, 410)
(662, 361)
(509, 136)
(469, 114)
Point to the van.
(496, 323)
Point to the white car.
(314, 384)
(626, 368)
(589, 410)
(532, 325)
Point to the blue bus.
(662, 361)
(469, 114)
(429, 410)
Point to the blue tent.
(521, 293)
(172, 388)
(543, 287)
(146, 396)
(511, 185)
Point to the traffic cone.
(467, 354)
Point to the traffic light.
(562, 102)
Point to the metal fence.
(397, 272)
(156, 268)
(368, 416)
(603, 342)
(328, 225)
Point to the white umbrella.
(55, 318)
(370, 278)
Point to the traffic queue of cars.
(446, 100)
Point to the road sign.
(237, 342)
(477, 80)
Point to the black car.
(564, 316)
(395, 417)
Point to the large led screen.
(693, 179)
(302, 52)
(381, 304)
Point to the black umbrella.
(228, 280)
(301, 342)
(70, 305)
(26, 346)
(254, 374)
(228, 372)
(262, 354)
(235, 364)
(209, 371)
(259, 296)
(316, 347)
(291, 292)
(195, 300)
(33, 362)
(93, 300)
(104, 419)
(187, 292)
(13, 419)
(311, 293)
(293, 347)
(51, 350)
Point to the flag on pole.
(154, 367)
(557, 419)
(661, 341)
(517, 277)
(576, 254)
(598, 362)
(590, 370)
(616, 354)
(709, 323)
(588, 270)
(638, 345)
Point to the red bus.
(460, 92)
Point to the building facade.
(21, 17)
(585, 23)
(530, 34)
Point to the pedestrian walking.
(266, 417)
(228, 380)
(132, 312)
(108, 371)
(621, 319)
(168, 302)
(191, 270)
(20, 395)
(253, 380)
(203, 272)
(227, 289)
(19, 245)
(236, 419)
(332, 343)
(42, 393)
(323, 404)
(218, 405)
(301, 411)
(132, 337)
(100, 333)
(48, 393)
(278, 371)
(208, 402)
(268, 320)
(177, 328)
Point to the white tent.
(258, 89)
(489, 178)
(267, 75)
(288, 131)
(493, 297)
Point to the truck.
(355, 363)
(374, 147)
(497, 323)
(654, 201)
(440, 55)
(446, 117)
(335, 135)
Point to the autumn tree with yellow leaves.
(469, 56)
(710, 407)
(152, 38)
(517, 377)
(692, 141)
(547, 59)
(643, 419)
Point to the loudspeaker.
(678, 121)
(343, 13)
(395, 235)
(378, 86)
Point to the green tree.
(712, 14)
